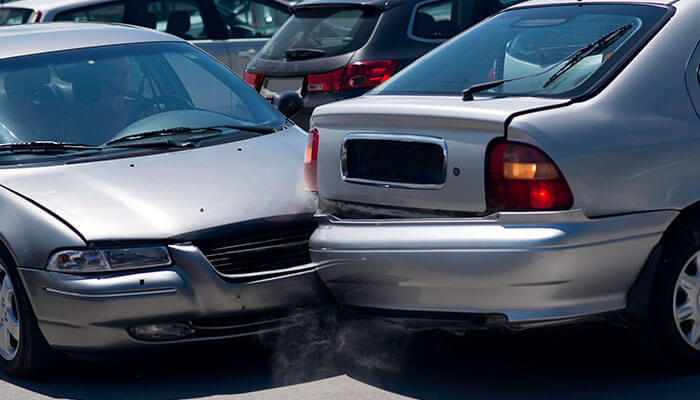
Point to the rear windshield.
(330, 31)
(14, 16)
(535, 43)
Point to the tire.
(24, 352)
(674, 315)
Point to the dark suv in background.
(331, 50)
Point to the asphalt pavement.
(327, 360)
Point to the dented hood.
(169, 195)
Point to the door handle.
(250, 53)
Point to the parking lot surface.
(324, 361)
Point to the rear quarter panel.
(636, 145)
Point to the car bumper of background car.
(85, 313)
(511, 268)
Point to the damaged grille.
(259, 253)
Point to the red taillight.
(253, 80)
(35, 16)
(362, 74)
(311, 162)
(329, 82)
(521, 177)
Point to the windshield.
(93, 96)
(329, 30)
(527, 42)
(14, 16)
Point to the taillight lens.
(521, 177)
(253, 80)
(311, 162)
(362, 74)
(35, 16)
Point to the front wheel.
(23, 349)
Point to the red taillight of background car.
(253, 80)
(521, 177)
(328, 82)
(311, 162)
(362, 74)
(35, 16)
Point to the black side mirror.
(288, 103)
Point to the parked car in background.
(230, 30)
(148, 197)
(539, 169)
(332, 50)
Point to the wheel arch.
(639, 295)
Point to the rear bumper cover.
(84, 313)
(529, 267)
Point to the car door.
(250, 23)
(192, 20)
(108, 11)
(185, 18)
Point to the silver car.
(231, 30)
(147, 197)
(563, 189)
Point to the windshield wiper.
(600, 44)
(303, 54)
(45, 147)
(183, 130)
(570, 60)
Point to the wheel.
(674, 316)
(23, 350)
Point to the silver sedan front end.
(184, 302)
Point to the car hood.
(172, 194)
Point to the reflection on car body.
(149, 197)
(566, 190)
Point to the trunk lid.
(386, 150)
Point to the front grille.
(275, 248)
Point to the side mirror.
(288, 102)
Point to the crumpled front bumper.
(86, 313)
(528, 267)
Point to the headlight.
(105, 260)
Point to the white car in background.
(231, 30)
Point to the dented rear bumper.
(528, 267)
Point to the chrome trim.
(263, 274)
(110, 295)
(395, 138)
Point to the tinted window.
(112, 12)
(95, 95)
(526, 42)
(249, 18)
(332, 30)
(444, 19)
(179, 17)
(14, 16)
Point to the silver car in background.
(147, 197)
(563, 189)
(230, 30)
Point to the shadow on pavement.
(594, 361)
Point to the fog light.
(156, 332)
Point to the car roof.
(20, 40)
(551, 2)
